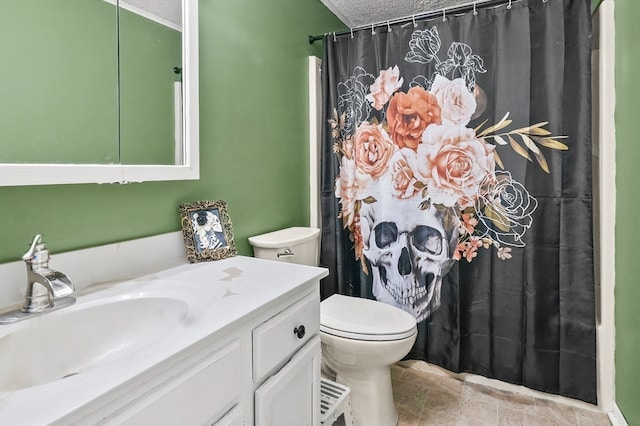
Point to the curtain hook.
(351, 29)
(414, 21)
(334, 36)
(509, 5)
(388, 26)
(475, 12)
(373, 31)
(444, 16)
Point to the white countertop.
(219, 294)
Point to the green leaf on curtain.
(534, 129)
(530, 143)
(449, 220)
(499, 140)
(542, 161)
(480, 126)
(497, 218)
(498, 159)
(499, 125)
(553, 143)
(425, 192)
(519, 149)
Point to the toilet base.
(371, 396)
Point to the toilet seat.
(363, 319)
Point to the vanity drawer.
(275, 340)
(195, 396)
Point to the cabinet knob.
(299, 331)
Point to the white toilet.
(360, 338)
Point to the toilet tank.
(295, 245)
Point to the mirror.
(91, 93)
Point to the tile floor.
(428, 399)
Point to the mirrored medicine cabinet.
(98, 91)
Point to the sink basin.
(64, 343)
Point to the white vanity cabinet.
(265, 372)
(232, 418)
(244, 351)
(291, 395)
(194, 396)
(262, 369)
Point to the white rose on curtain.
(385, 85)
(457, 103)
(504, 210)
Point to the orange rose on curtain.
(409, 114)
(454, 163)
(403, 177)
(373, 149)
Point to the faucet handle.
(38, 252)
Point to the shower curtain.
(456, 185)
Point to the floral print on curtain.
(420, 190)
(456, 163)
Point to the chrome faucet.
(44, 285)
(47, 289)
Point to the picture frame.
(207, 231)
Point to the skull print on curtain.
(409, 251)
(456, 185)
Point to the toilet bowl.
(361, 338)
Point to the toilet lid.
(364, 319)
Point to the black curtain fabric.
(456, 185)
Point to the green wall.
(627, 290)
(148, 54)
(58, 81)
(253, 141)
(59, 77)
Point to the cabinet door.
(232, 418)
(203, 391)
(291, 397)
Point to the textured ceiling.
(165, 12)
(359, 13)
(169, 11)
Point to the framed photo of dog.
(207, 231)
